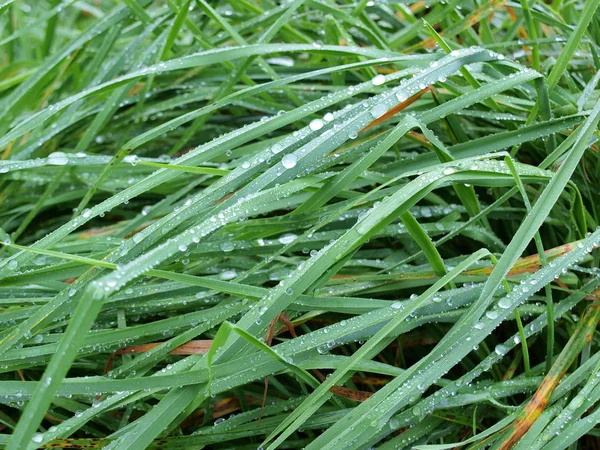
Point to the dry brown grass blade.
(268, 340)
(581, 336)
(221, 408)
(398, 108)
(197, 347)
(528, 264)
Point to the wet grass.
(306, 224)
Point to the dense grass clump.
(300, 224)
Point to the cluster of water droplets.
(495, 316)
(375, 107)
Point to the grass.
(299, 224)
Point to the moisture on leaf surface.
(299, 224)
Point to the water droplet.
(491, 314)
(378, 110)
(401, 96)
(363, 228)
(289, 161)
(281, 60)
(228, 275)
(378, 80)
(505, 302)
(131, 159)
(226, 246)
(315, 124)
(500, 349)
(57, 159)
(287, 239)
